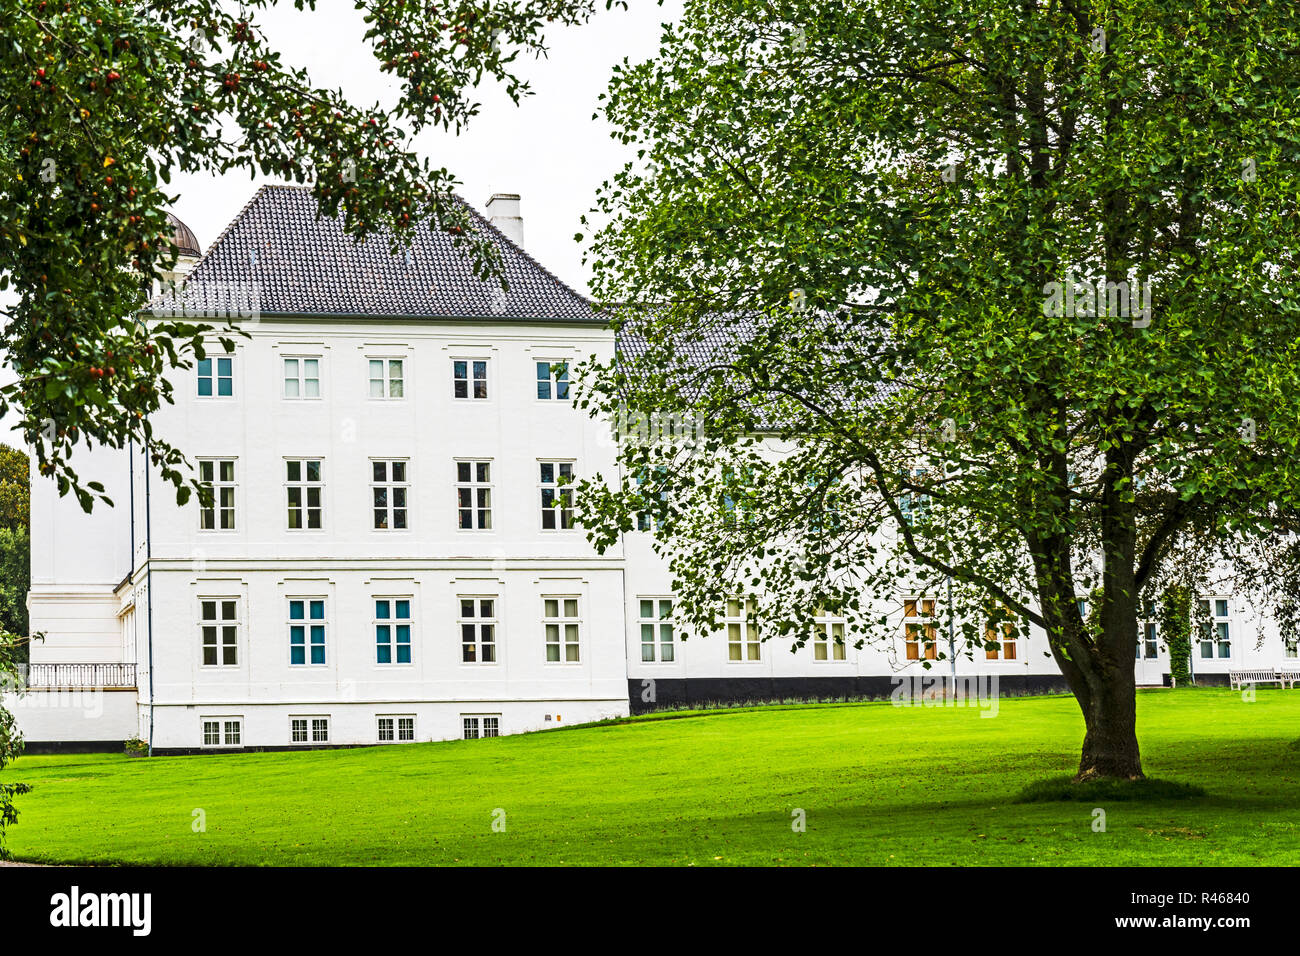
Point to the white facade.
(236, 629)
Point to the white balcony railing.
(80, 676)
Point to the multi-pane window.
(828, 638)
(307, 630)
(478, 630)
(388, 489)
(741, 620)
(222, 732)
(218, 476)
(309, 730)
(216, 377)
(655, 619)
(644, 520)
(219, 628)
(1148, 633)
(399, 729)
(560, 621)
(301, 377)
(469, 378)
(1291, 648)
(393, 630)
(553, 381)
(387, 378)
(557, 495)
(999, 640)
(482, 726)
(304, 488)
(920, 633)
(474, 495)
(1216, 629)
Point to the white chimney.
(503, 212)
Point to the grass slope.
(879, 785)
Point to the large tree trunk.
(1110, 747)
(1099, 668)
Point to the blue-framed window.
(553, 381)
(393, 630)
(216, 377)
(307, 631)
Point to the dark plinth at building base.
(664, 693)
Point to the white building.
(385, 560)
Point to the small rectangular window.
(309, 730)
(306, 631)
(555, 484)
(396, 729)
(483, 725)
(223, 731)
(655, 621)
(553, 381)
(562, 628)
(474, 495)
(216, 377)
(389, 492)
(478, 630)
(218, 476)
(393, 630)
(1216, 629)
(304, 491)
(920, 632)
(828, 638)
(469, 378)
(743, 643)
(219, 629)
(301, 377)
(387, 378)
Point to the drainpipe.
(148, 584)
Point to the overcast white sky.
(549, 150)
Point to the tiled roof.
(304, 265)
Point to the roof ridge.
(230, 225)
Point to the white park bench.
(1237, 679)
(1290, 677)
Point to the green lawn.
(879, 785)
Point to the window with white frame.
(388, 494)
(387, 377)
(1148, 642)
(644, 520)
(656, 626)
(741, 621)
(393, 630)
(920, 632)
(481, 725)
(1216, 629)
(553, 381)
(828, 638)
(307, 631)
(562, 628)
(474, 495)
(396, 729)
(1291, 648)
(469, 379)
(301, 376)
(304, 493)
(309, 730)
(555, 484)
(1000, 638)
(216, 376)
(219, 631)
(217, 475)
(478, 630)
(223, 731)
